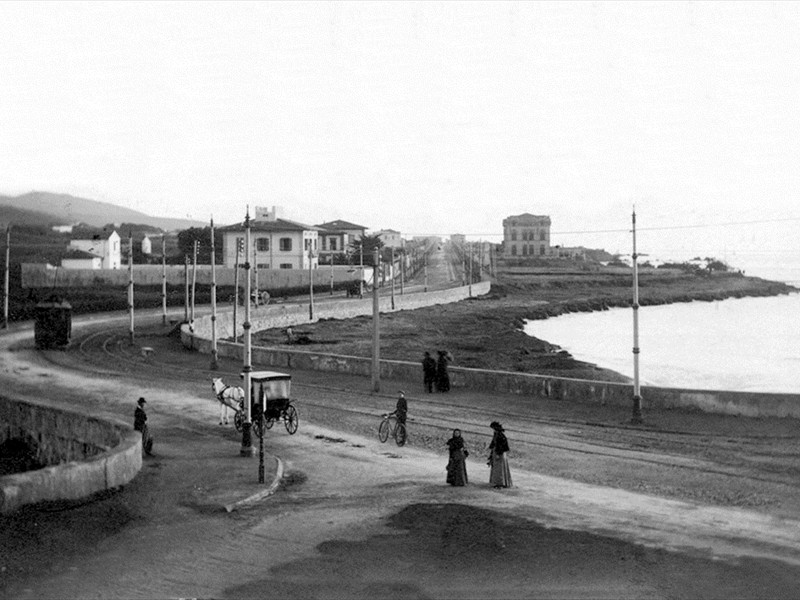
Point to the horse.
(228, 396)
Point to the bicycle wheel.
(400, 434)
(258, 427)
(383, 430)
(291, 420)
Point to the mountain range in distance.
(63, 209)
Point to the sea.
(747, 344)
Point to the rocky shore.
(486, 332)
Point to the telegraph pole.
(5, 279)
(194, 280)
(247, 439)
(186, 287)
(236, 289)
(637, 398)
(391, 274)
(214, 357)
(361, 267)
(376, 349)
(310, 284)
(163, 280)
(130, 282)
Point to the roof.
(340, 225)
(73, 253)
(267, 376)
(276, 225)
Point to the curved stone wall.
(84, 454)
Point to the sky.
(427, 118)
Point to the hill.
(64, 209)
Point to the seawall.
(749, 404)
(84, 454)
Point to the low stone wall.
(748, 404)
(85, 454)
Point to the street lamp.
(247, 439)
(637, 398)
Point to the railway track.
(760, 458)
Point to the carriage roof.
(268, 376)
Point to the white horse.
(228, 396)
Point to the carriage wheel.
(400, 434)
(238, 420)
(268, 422)
(383, 430)
(291, 420)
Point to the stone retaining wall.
(748, 404)
(85, 454)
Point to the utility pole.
(310, 283)
(247, 439)
(214, 356)
(331, 255)
(470, 269)
(637, 398)
(402, 273)
(376, 348)
(361, 267)
(186, 287)
(425, 268)
(194, 281)
(391, 273)
(163, 280)
(5, 278)
(236, 287)
(130, 282)
(255, 270)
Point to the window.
(262, 244)
(541, 249)
(307, 244)
(286, 265)
(513, 250)
(285, 246)
(332, 244)
(513, 235)
(542, 235)
(262, 266)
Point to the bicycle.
(391, 426)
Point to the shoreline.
(487, 332)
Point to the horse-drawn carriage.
(270, 396)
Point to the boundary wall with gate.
(84, 454)
(749, 404)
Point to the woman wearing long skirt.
(457, 465)
(500, 476)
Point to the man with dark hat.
(140, 424)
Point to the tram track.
(596, 440)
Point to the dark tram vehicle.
(53, 324)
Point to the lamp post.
(310, 283)
(391, 273)
(637, 398)
(247, 440)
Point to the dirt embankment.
(486, 332)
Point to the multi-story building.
(275, 243)
(526, 235)
(335, 236)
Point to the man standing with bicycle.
(401, 410)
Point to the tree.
(187, 238)
(370, 243)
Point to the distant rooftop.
(340, 225)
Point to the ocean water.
(747, 344)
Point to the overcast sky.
(423, 117)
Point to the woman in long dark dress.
(457, 465)
(500, 475)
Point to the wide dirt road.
(693, 507)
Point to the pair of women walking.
(500, 474)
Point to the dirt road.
(598, 509)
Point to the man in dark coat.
(140, 424)
(401, 410)
(428, 372)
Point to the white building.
(275, 243)
(108, 250)
(335, 236)
(147, 246)
(390, 238)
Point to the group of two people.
(434, 372)
(500, 475)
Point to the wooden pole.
(376, 337)
(214, 351)
(194, 279)
(163, 280)
(130, 283)
(5, 278)
(236, 289)
(247, 440)
(637, 398)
